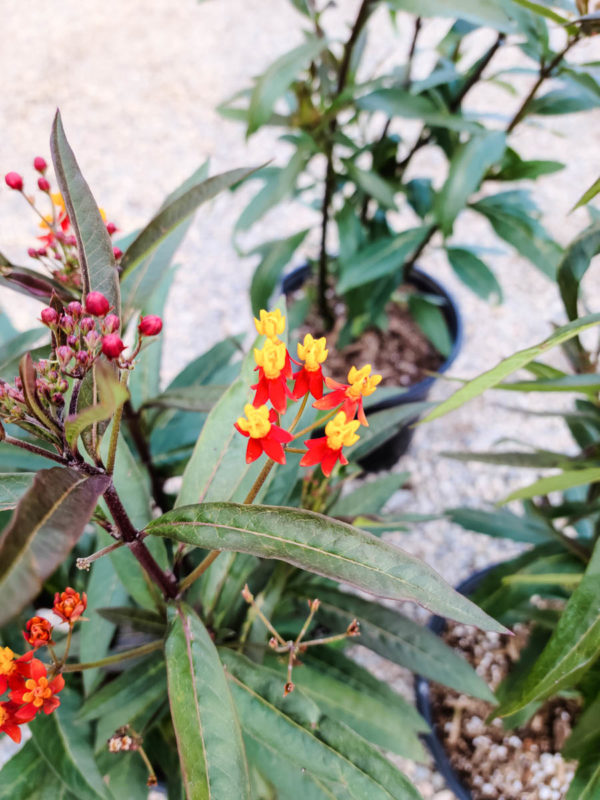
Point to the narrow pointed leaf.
(555, 483)
(574, 264)
(188, 398)
(319, 544)
(26, 776)
(112, 394)
(45, 526)
(478, 12)
(209, 738)
(96, 257)
(492, 377)
(13, 486)
(588, 195)
(586, 783)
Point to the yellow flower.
(256, 423)
(271, 323)
(312, 352)
(340, 432)
(362, 383)
(271, 358)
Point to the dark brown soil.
(494, 763)
(401, 354)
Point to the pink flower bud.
(58, 399)
(43, 185)
(111, 228)
(42, 251)
(14, 181)
(67, 323)
(91, 339)
(117, 253)
(72, 340)
(82, 358)
(96, 304)
(64, 354)
(150, 325)
(71, 240)
(86, 325)
(49, 316)
(40, 164)
(110, 324)
(112, 345)
(75, 309)
(32, 252)
(63, 385)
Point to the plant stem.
(411, 55)
(165, 580)
(136, 652)
(85, 563)
(298, 416)
(262, 477)
(114, 436)
(545, 72)
(33, 448)
(74, 398)
(317, 424)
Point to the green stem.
(136, 652)
(317, 424)
(298, 416)
(186, 582)
(114, 436)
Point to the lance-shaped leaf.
(492, 377)
(175, 213)
(26, 777)
(188, 398)
(302, 737)
(322, 545)
(574, 265)
(98, 269)
(478, 12)
(586, 783)
(588, 195)
(45, 526)
(12, 350)
(573, 647)
(209, 737)
(555, 483)
(66, 748)
(111, 396)
(13, 486)
(31, 283)
(28, 377)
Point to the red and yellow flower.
(274, 370)
(327, 450)
(360, 384)
(263, 435)
(37, 693)
(8, 724)
(310, 377)
(69, 605)
(270, 323)
(38, 632)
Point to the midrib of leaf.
(43, 521)
(306, 732)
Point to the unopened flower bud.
(49, 316)
(72, 340)
(111, 228)
(91, 339)
(39, 164)
(71, 240)
(112, 345)
(64, 354)
(117, 252)
(63, 385)
(353, 629)
(75, 309)
(96, 304)
(42, 251)
(82, 358)
(273, 642)
(14, 181)
(247, 594)
(314, 604)
(110, 324)
(288, 688)
(58, 399)
(150, 325)
(32, 252)
(86, 325)
(43, 185)
(67, 323)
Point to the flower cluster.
(274, 367)
(32, 686)
(57, 250)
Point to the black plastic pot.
(389, 452)
(423, 698)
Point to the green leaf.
(140, 619)
(511, 215)
(383, 425)
(501, 524)
(13, 485)
(514, 168)
(543, 10)
(95, 249)
(585, 738)
(188, 398)
(467, 169)
(172, 215)
(380, 259)
(12, 350)
(319, 544)
(112, 394)
(573, 647)
(475, 274)
(479, 12)
(372, 185)
(542, 459)
(555, 483)
(67, 750)
(273, 83)
(370, 497)
(303, 738)
(26, 777)
(400, 103)
(201, 369)
(209, 738)
(586, 782)
(574, 264)
(564, 100)
(492, 377)
(276, 255)
(588, 195)
(398, 638)
(44, 528)
(432, 323)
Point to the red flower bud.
(111, 228)
(96, 304)
(32, 252)
(117, 253)
(39, 632)
(74, 308)
(64, 354)
(42, 251)
(69, 605)
(14, 181)
(43, 185)
(67, 323)
(72, 340)
(71, 241)
(49, 316)
(87, 324)
(110, 324)
(150, 325)
(40, 164)
(112, 345)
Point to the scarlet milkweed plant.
(202, 639)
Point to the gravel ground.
(137, 84)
